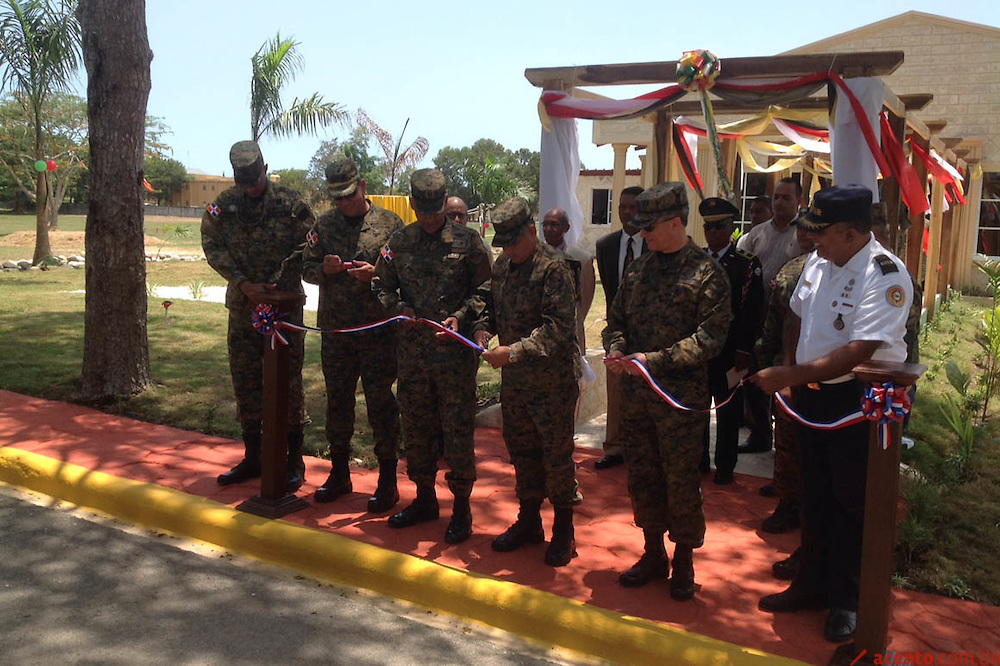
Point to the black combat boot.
(460, 527)
(386, 494)
(339, 481)
(526, 529)
(784, 518)
(249, 467)
(420, 510)
(562, 547)
(654, 562)
(682, 579)
(295, 466)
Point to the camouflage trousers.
(662, 448)
(787, 477)
(538, 425)
(437, 399)
(246, 364)
(371, 357)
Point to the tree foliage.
(486, 172)
(39, 55)
(274, 65)
(166, 175)
(397, 159)
(356, 148)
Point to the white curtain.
(852, 160)
(560, 171)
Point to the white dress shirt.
(623, 248)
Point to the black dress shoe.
(607, 462)
(788, 567)
(753, 447)
(840, 625)
(723, 478)
(790, 601)
(646, 569)
(767, 491)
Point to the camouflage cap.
(656, 202)
(509, 219)
(248, 163)
(714, 209)
(840, 203)
(428, 190)
(342, 178)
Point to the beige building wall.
(201, 190)
(958, 62)
(591, 184)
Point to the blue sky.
(455, 69)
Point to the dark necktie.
(628, 257)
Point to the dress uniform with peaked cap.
(258, 240)
(346, 302)
(533, 310)
(674, 307)
(435, 275)
(864, 297)
(747, 295)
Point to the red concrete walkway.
(733, 568)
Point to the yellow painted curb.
(325, 556)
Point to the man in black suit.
(724, 370)
(614, 254)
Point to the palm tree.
(493, 182)
(396, 160)
(39, 54)
(275, 64)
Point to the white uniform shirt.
(870, 303)
(623, 249)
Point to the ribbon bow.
(698, 69)
(885, 403)
(265, 321)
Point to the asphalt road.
(79, 589)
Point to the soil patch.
(61, 241)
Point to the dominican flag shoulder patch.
(312, 238)
(386, 253)
(213, 209)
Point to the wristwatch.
(512, 356)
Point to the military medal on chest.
(843, 304)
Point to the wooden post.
(947, 243)
(891, 194)
(933, 247)
(662, 131)
(881, 496)
(274, 500)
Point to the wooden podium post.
(274, 501)
(881, 497)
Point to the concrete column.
(617, 183)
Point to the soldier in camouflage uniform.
(340, 255)
(252, 235)
(533, 309)
(435, 269)
(671, 313)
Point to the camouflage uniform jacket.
(676, 309)
(438, 275)
(343, 300)
(532, 307)
(258, 240)
(779, 314)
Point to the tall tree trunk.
(42, 247)
(117, 56)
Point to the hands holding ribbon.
(619, 363)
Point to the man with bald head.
(555, 226)
(456, 210)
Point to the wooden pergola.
(952, 233)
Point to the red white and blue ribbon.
(671, 400)
(882, 402)
(266, 322)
